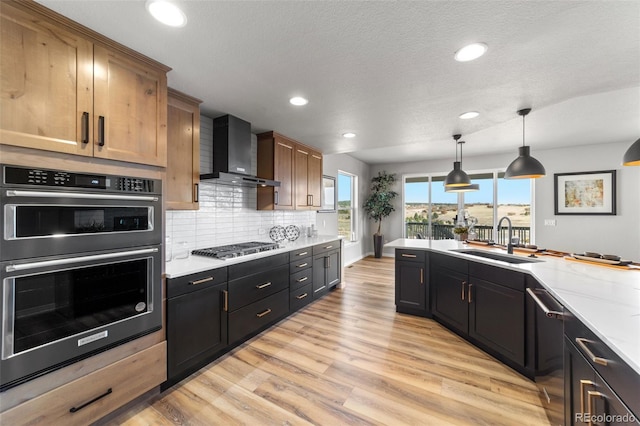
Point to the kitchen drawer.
(300, 279)
(300, 297)
(194, 282)
(244, 291)
(411, 255)
(617, 373)
(124, 380)
(258, 315)
(505, 277)
(243, 269)
(450, 262)
(323, 248)
(300, 253)
(300, 264)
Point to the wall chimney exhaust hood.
(232, 154)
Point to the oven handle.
(67, 261)
(43, 194)
(548, 312)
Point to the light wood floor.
(349, 358)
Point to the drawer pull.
(75, 409)
(582, 342)
(328, 247)
(412, 256)
(302, 296)
(202, 281)
(302, 265)
(265, 285)
(261, 314)
(550, 313)
(303, 279)
(304, 253)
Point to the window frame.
(354, 205)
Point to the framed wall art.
(585, 193)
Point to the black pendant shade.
(525, 166)
(457, 176)
(632, 156)
(466, 188)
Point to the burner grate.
(235, 250)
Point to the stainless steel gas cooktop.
(236, 250)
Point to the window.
(347, 206)
(430, 212)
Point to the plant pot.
(377, 245)
(461, 237)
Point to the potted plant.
(379, 205)
(461, 232)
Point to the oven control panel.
(24, 176)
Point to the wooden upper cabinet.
(183, 149)
(275, 161)
(67, 89)
(130, 109)
(46, 86)
(296, 166)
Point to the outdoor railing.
(485, 232)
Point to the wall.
(327, 223)
(619, 234)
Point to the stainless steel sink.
(509, 258)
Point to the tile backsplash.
(228, 215)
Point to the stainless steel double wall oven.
(80, 266)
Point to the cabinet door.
(496, 318)
(410, 285)
(183, 148)
(333, 272)
(46, 92)
(319, 276)
(450, 304)
(302, 196)
(604, 403)
(130, 110)
(283, 172)
(196, 328)
(314, 179)
(579, 380)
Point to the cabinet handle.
(302, 265)
(276, 198)
(309, 200)
(469, 293)
(328, 247)
(226, 300)
(302, 296)
(75, 409)
(303, 279)
(85, 127)
(326, 262)
(462, 289)
(261, 314)
(202, 281)
(101, 140)
(582, 342)
(583, 384)
(265, 285)
(408, 255)
(196, 192)
(547, 311)
(421, 276)
(591, 407)
(304, 253)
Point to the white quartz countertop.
(606, 300)
(193, 264)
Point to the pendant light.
(457, 176)
(525, 166)
(632, 156)
(462, 188)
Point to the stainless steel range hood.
(232, 154)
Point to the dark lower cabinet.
(255, 316)
(496, 318)
(412, 282)
(450, 304)
(326, 268)
(196, 329)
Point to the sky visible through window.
(344, 187)
(512, 191)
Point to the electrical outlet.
(549, 222)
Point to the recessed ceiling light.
(298, 101)
(471, 52)
(167, 13)
(468, 115)
(349, 135)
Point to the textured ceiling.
(385, 70)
